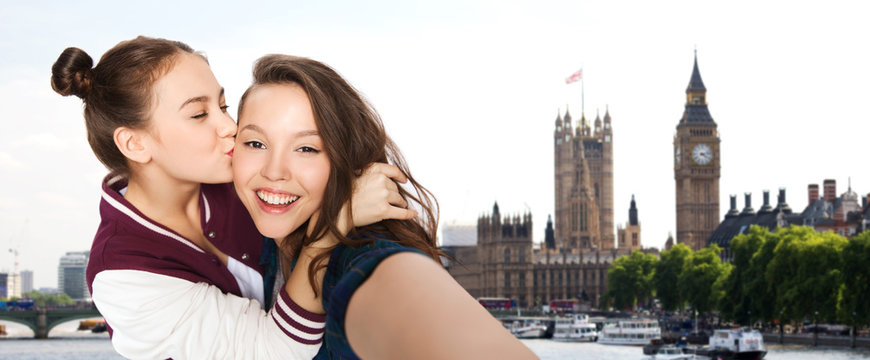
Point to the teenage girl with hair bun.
(177, 267)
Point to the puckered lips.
(274, 201)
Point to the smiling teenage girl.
(303, 132)
(175, 267)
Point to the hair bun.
(71, 73)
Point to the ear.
(132, 145)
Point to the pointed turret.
(597, 124)
(549, 234)
(696, 112)
(695, 83)
(632, 212)
(606, 116)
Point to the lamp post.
(816, 329)
(852, 332)
(780, 326)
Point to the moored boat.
(668, 352)
(575, 328)
(630, 332)
(734, 344)
(527, 328)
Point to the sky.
(470, 91)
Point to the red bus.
(496, 303)
(562, 306)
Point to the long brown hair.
(118, 91)
(353, 137)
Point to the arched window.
(507, 255)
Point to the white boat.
(527, 329)
(630, 332)
(575, 328)
(740, 343)
(670, 352)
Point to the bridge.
(41, 321)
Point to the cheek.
(244, 167)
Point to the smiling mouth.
(276, 200)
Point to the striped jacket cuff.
(299, 324)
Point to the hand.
(376, 197)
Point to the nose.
(275, 167)
(226, 126)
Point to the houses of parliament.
(497, 258)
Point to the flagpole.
(582, 94)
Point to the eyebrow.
(303, 133)
(197, 99)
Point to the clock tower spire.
(696, 167)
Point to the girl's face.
(280, 169)
(190, 135)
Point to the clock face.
(677, 155)
(702, 154)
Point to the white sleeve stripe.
(293, 331)
(292, 315)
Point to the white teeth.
(276, 199)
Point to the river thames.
(68, 344)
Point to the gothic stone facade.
(504, 263)
(583, 184)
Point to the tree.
(701, 272)
(737, 294)
(667, 273)
(854, 308)
(629, 279)
(41, 299)
(806, 273)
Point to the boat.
(630, 332)
(527, 328)
(668, 352)
(734, 344)
(575, 328)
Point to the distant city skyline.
(470, 92)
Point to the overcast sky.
(470, 91)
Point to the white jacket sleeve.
(156, 316)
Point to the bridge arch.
(41, 322)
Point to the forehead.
(283, 106)
(189, 76)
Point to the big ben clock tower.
(696, 167)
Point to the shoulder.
(364, 258)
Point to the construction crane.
(15, 254)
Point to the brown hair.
(118, 91)
(353, 137)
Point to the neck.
(162, 197)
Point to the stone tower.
(696, 167)
(583, 183)
(504, 250)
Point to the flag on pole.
(574, 77)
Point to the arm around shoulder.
(157, 316)
(411, 307)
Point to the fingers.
(388, 170)
(400, 213)
(393, 196)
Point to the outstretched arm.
(410, 308)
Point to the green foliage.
(806, 273)
(667, 273)
(856, 281)
(629, 279)
(736, 294)
(700, 274)
(41, 299)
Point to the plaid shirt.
(348, 268)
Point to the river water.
(68, 344)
